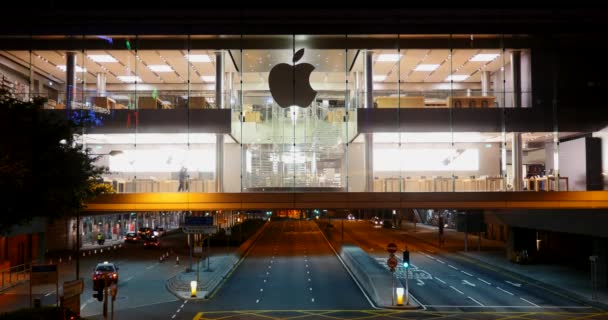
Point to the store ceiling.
(390, 66)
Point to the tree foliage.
(44, 171)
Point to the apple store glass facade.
(357, 113)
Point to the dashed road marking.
(129, 278)
(440, 261)
(440, 280)
(50, 293)
(503, 290)
(468, 274)
(479, 303)
(451, 266)
(484, 281)
(457, 290)
(530, 302)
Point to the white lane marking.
(530, 302)
(468, 274)
(185, 301)
(264, 280)
(150, 267)
(479, 303)
(428, 256)
(510, 307)
(440, 280)
(178, 310)
(468, 283)
(50, 293)
(457, 290)
(129, 278)
(420, 282)
(440, 261)
(451, 266)
(513, 284)
(313, 299)
(503, 290)
(182, 305)
(484, 281)
(267, 273)
(261, 290)
(310, 289)
(173, 317)
(257, 300)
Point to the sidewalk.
(572, 282)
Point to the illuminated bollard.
(400, 293)
(193, 289)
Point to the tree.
(44, 171)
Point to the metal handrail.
(10, 276)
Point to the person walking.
(440, 225)
(183, 183)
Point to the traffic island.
(374, 279)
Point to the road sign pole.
(393, 290)
(407, 286)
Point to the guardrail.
(14, 275)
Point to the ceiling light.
(78, 68)
(129, 78)
(160, 68)
(426, 67)
(388, 57)
(198, 58)
(102, 58)
(485, 57)
(457, 77)
(379, 77)
(208, 78)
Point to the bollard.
(84, 254)
(176, 259)
(60, 260)
(95, 251)
(51, 262)
(100, 250)
(70, 259)
(160, 259)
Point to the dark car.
(152, 242)
(102, 271)
(387, 224)
(144, 233)
(131, 237)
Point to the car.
(152, 242)
(144, 233)
(159, 231)
(387, 224)
(375, 221)
(351, 216)
(103, 270)
(131, 237)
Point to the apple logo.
(290, 84)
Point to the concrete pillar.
(41, 246)
(485, 83)
(358, 89)
(369, 79)
(369, 161)
(516, 161)
(70, 78)
(101, 84)
(219, 79)
(229, 89)
(219, 163)
(516, 77)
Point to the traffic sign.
(391, 248)
(392, 262)
(199, 221)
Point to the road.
(443, 281)
(141, 280)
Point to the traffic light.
(406, 259)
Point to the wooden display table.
(471, 102)
(400, 102)
(104, 102)
(149, 103)
(198, 103)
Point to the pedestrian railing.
(15, 274)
